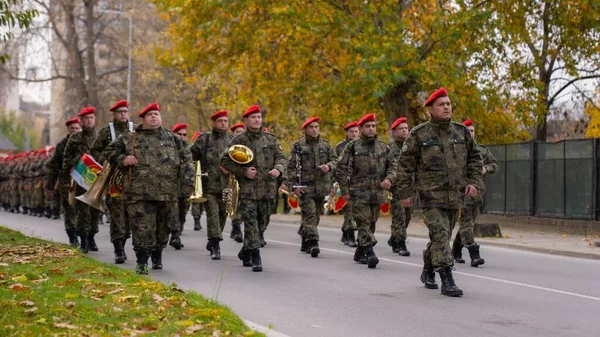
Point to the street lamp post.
(129, 46)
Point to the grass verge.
(50, 289)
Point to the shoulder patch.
(404, 147)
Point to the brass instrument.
(93, 196)
(197, 197)
(241, 155)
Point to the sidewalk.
(536, 241)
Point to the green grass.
(51, 289)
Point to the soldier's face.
(238, 131)
(312, 130)
(352, 133)
(369, 129)
(88, 121)
(471, 129)
(152, 120)
(75, 127)
(182, 134)
(121, 115)
(221, 124)
(401, 132)
(254, 121)
(441, 109)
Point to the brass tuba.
(93, 196)
(241, 155)
(197, 197)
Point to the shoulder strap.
(113, 135)
(130, 126)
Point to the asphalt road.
(516, 293)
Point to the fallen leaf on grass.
(41, 320)
(40, 280)
(192, 329)
(2, 264)
(113, 283)
(185, 323)
(18, 287)
(66, 326)
(70, 304)
(27, 303)
(28, 311)
(20, 278)
(157, 298)
(117, 309)
(116, 291)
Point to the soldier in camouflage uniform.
(58, 178)
(197, 207)
(119, 222)
(16, 182)
(348, 227)
(156, 168)
(308, 169)
(38, 196)
(208, 149)
(400, 215)
(183, 204)
(258, 183)
(52, 199)
(366, 171)
(470, 211)
(236, 219)
(78, 144)
(446, 165)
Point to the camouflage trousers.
(38, 198)
(151, 223)
(119, 221)
(15, 199)
(52, 200)
(197, 209)
(256, 215)
(310, 210)
(348, 221)
(366, 216)
(24, 198)
(68, 210)
(183, 206)
(87, 219)
(440, 222)
(400, 218)
(216, 216)
(465, 235)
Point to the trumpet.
(197, 197)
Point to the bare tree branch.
(577, 79)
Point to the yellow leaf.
(41, 320)
(65, 325)
(70, 295)
(184, 323)
(20, 278)
(116, 291)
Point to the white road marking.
(267, 331)
(520, 284)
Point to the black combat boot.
(41, 212)
(392, 243)
(83, 244)
(372, 259)
(156, 257)
(215, 250)
(449, 288)
(175, 241)
(124, 243)
(344, 238)
(141, 267)
(359, 255)
(25, 210)
(428, 277)
(72, 238)
(352, 239)
(119, 252)
(236, 232)
(314, 249)
(457, 252)
(47, 212)
(100, 222)
(303, 245)
(56, 213)
(476, 260)
(197, 225)
(256, 260)
(402, 250)
(245, 256)
(92, 243)
(262, 240)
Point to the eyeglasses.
(182, 134)
(121, 111)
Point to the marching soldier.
(183, 204)
(257, 181)
(197, 207)
(400, 215)
(208, 148)
(236, 220)
(78, 144)
(156, 167)
(348, 227)
(119, 223)
(52, 198)
(446, 165)
(470, 211)
(366, 171)
(308, 168)
(60, 180)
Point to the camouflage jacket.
(443, 158)
(268, 155)
(306, 156)
(78, 144)
(54, 169)
(163, 164)
(491, 166)
(208, 149)
(396, 149)
(105, 137)
(363, 165)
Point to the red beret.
(198, 133)
(153, 106)
(119, 104)
(441, 92)
(235, 126)
(179, 126)
(73, 121)
(87, 111)
(366, 118)
(310, 120)
(251, 110)
(51, 148)
(398, 122)
(42, 151)
(468, 122)
(218, 114)
(265, 129)
(350, 125)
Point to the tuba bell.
(241, 155)
(93, 196)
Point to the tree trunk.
(76, 95)
(396, 104)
